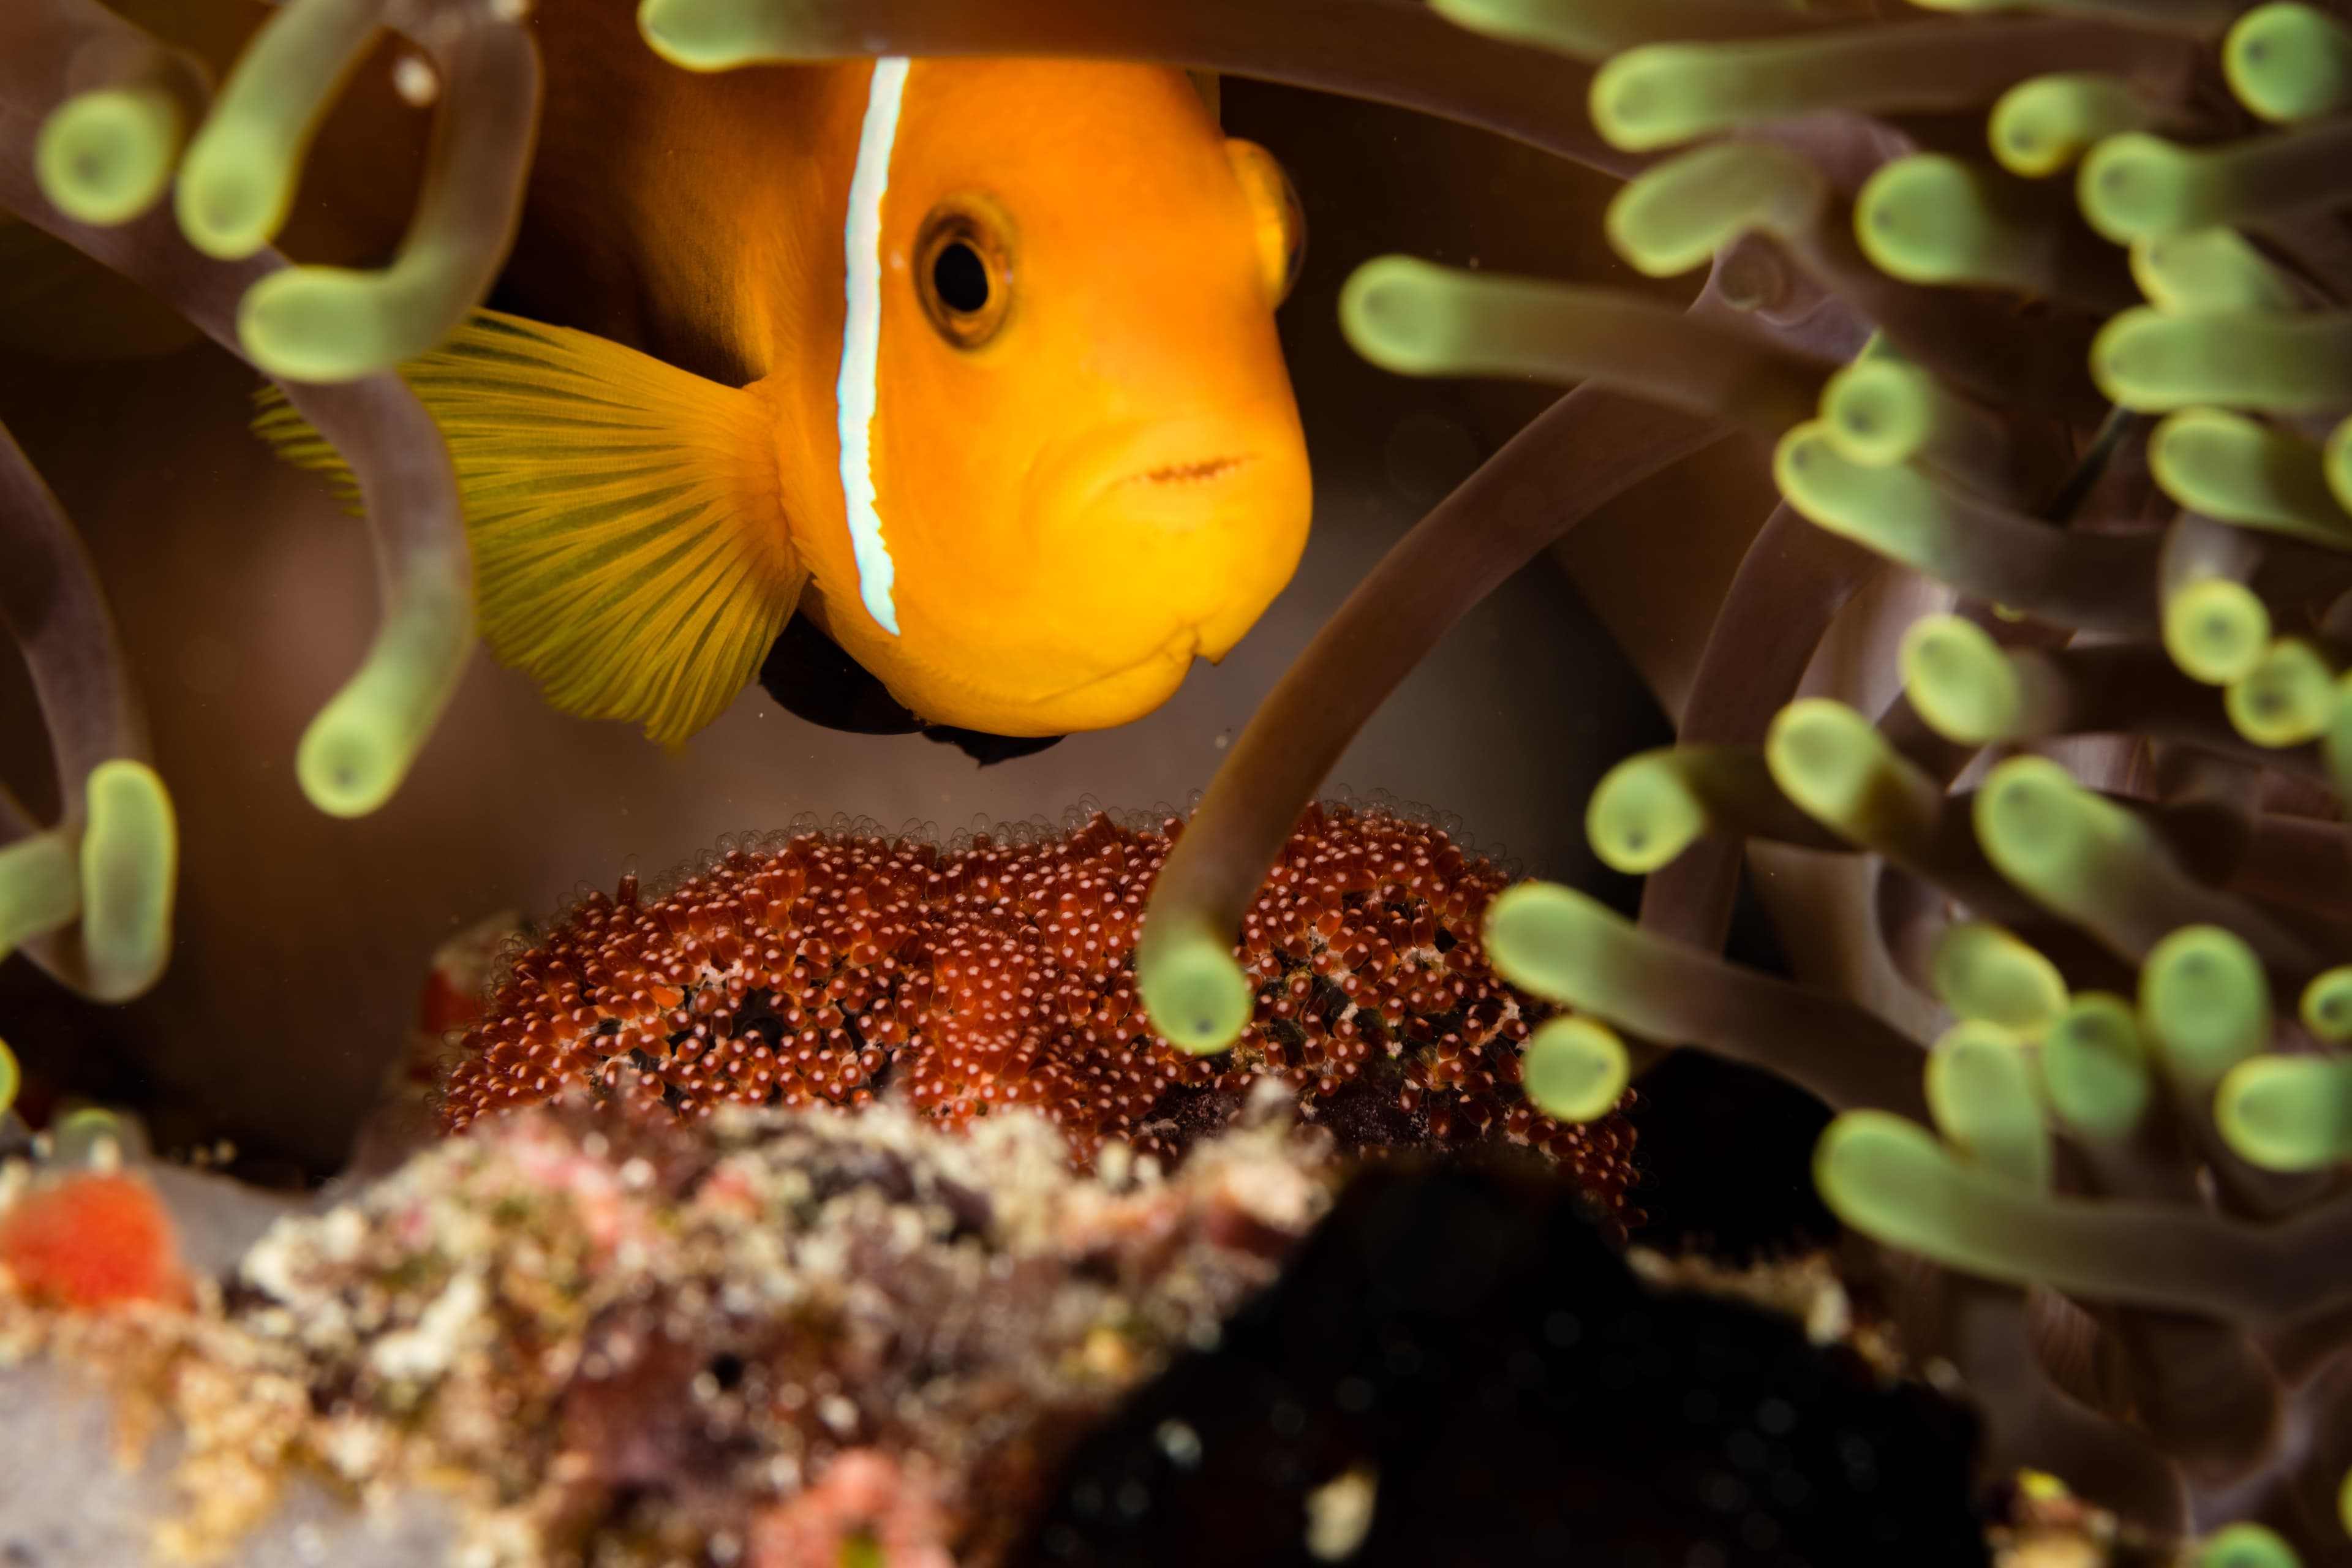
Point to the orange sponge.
(91, 1240)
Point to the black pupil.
(962, 278)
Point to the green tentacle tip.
(1892, 510)
(1672, 218)
(1584, 31)
(1404, 315)
(1961, 681)
(362, 745)
(1980, 1091)
(1879, 1172)
(2336, 464)
(40, 889)
(2335, 743)
(1983, 972)
(2095, 1069)
(2286, 698)
(2042, 830)
(2155, 362)
(719, 34)
(2289, 62)
(236, 187)
(1662, 94)
(2240, 470)
(2209, 270)
(2039, 127)
(105, 157)
(2137, 186)
(1826, 757)
(1879, 412)
(2244, 1546)
(2203, 997)
(1929, 218)
(1574, 1070)
(2287, 1113)
(2326, 1007)
(330, 323)
(1194, 990)
(129, 861)
(2216, 629)
(1544, 937)
(10, 1078)
(1645, 813)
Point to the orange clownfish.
(1017, 438)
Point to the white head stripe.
(856, 397)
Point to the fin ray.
(630, 548)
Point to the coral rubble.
(771, 1337)
(828, 967)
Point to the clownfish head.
(1070, 457)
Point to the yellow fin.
(630, 549)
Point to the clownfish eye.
(960, 278)
(963, 271)
(1279, 221)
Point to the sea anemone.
(2087, 851)
(823, 967)
(2111, 1160)
(108, 116)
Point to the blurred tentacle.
(1595, 29)
(1403, 54)
(1894, 1181)
(1792, 583)
(237, 184)
(1787, 182)
(2100, 582)
(1650, 807)
(108, 151)
(1934, 219)
(1589, 446)
(2086, 858)
(1567, 947)
(1836, 765)
(328, 324)
(1664, 94)
(51, 604)
(1978, 692)
(2036, 1425)
(1418, 319)
(355, 753)
(88, 898)
(2136, 186)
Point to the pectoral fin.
(630, 548)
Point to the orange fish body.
(1013, 427)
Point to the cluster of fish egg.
(829, 967)
(2105, 821)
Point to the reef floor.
(769, 1340)
(785, 1338)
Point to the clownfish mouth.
(1187, 473)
